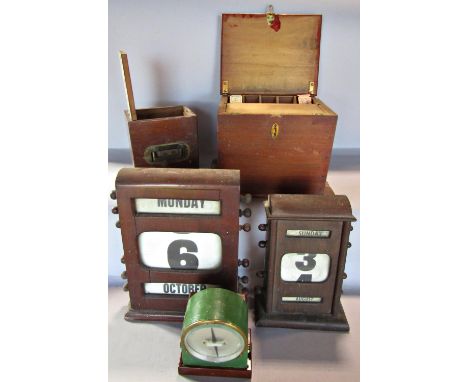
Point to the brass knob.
(244, 279)
(246, 198)
(122, 259)
(349, 245)
(124, 275)
(247, 213)
(117, 223)
(113, 195)
(245, 227)
(115, 210)
(262, 227)
(125, 287)
(244, 262)
(260, 274)
(262, 244)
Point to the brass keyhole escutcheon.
(274, 130)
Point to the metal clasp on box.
(274, 130)
(167, 153)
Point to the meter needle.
(213, 338)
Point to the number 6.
(178, 260)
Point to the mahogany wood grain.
(175, 125)
(305, 212)
(152, 183)
(257, 60)
(164, 125)
(279, 145)
(296, 161)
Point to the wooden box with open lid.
(271, 125)
(160, 136)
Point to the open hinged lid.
(128, 86)
(256, 59)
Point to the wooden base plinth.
(219, 371)
(336, 322)
(153, 315)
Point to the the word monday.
(180, 203)
(178, 206)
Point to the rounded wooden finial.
(244, 262)
(246, 198)
(245, 227)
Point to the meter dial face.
(214, 342)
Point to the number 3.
(179, 260)
(307, 264)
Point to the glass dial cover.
(214, 342)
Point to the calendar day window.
(180, 251)
(305, 267)
(178, 206)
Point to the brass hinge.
(225, 87)
(311, 87)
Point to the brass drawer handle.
(167, 153)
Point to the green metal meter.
(215, 330)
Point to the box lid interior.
(255, 59)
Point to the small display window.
(180, 251)
(305, 267)
(178, 206)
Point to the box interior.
(164, 112)
(269, 99)
(275, 104)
